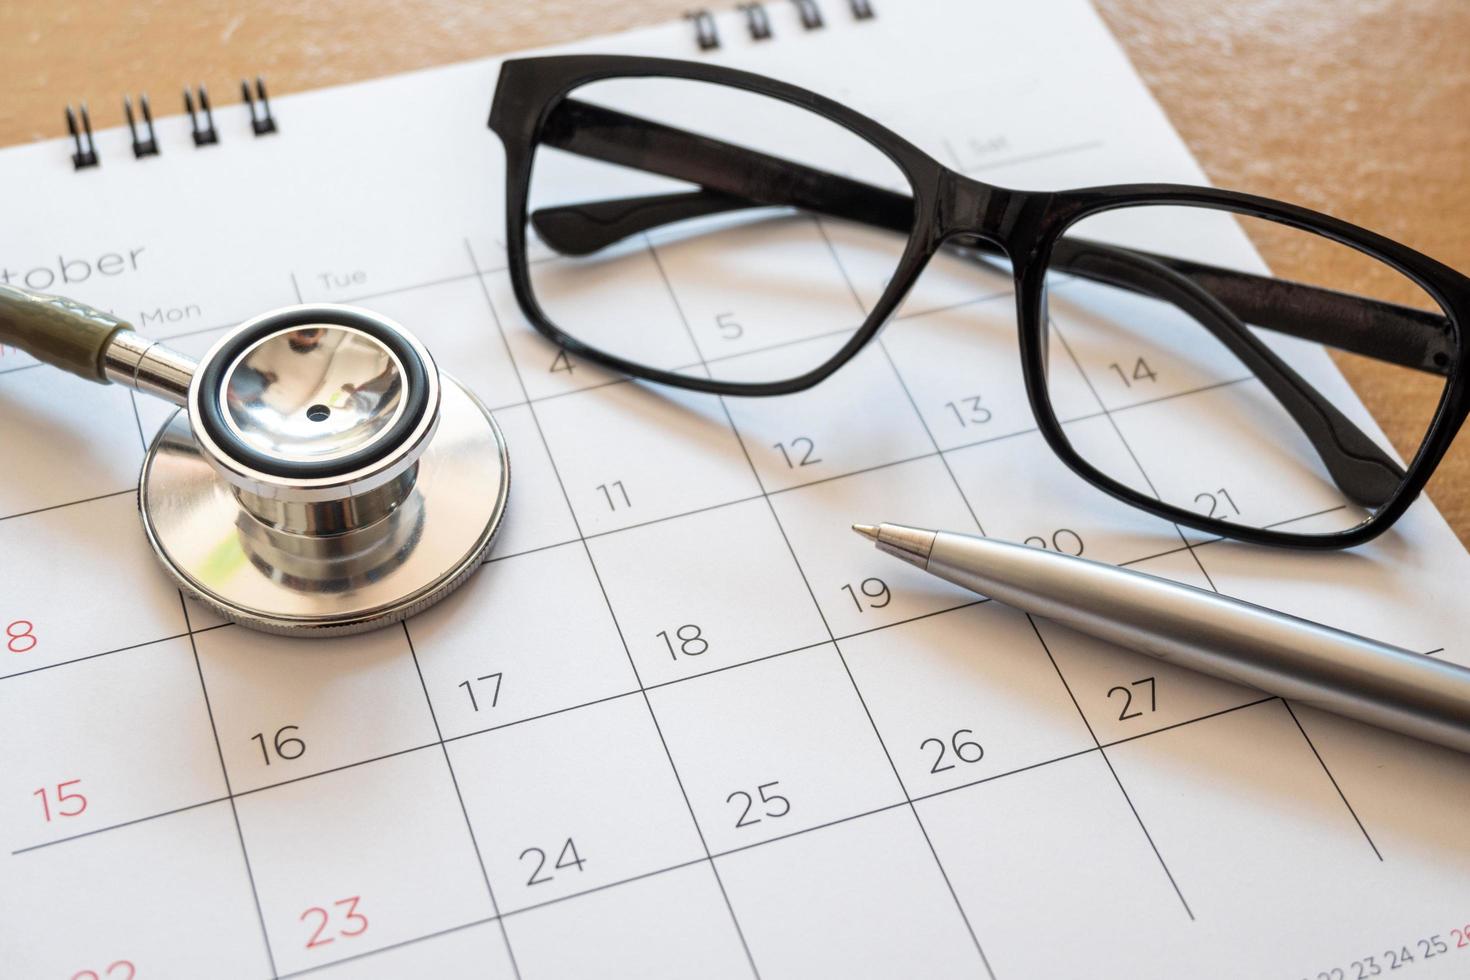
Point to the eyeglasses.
(1162, 362)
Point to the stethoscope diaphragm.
(321, 475)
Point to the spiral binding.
(147, 147)
(206, 134)
(264, 122)
(758, 22)
(143, 133)
(85, 154)
(811, 14)
(705, 34)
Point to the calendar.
(683, 722)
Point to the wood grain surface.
(1360, 108)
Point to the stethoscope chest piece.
(323, 476)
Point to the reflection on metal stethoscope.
(322, 476)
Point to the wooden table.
(1357, 108)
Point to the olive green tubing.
(57, 330)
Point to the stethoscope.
(321, 476)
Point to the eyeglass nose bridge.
(966, 206)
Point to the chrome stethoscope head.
(321, 476)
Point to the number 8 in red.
(20, 636)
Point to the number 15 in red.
(68, 803)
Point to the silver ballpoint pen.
(1279, 654)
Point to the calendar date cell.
(321, 900)
(771, 748)
(596, 802)
(82, 757)
(288, 707)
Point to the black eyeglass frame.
(947, 205)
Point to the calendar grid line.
(826, 625)
(19, 368)
(94, 656)
(1121, 788)
(138, 419)
(612, 613)
(1188, 721)
(117, 826)
(608, 885)
(1293, 520)
(1333, 779)
(459, 795)
(529, 551)
(69, 503)
(1033, 157)
(547, 714)
(229, 789)
(352, 957)
(744, 663)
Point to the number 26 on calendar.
(342, 921)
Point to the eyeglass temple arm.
(1384, 331)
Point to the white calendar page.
(674, 728)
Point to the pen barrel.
(1279, 654)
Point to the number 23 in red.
(353, 922)
(121, 970)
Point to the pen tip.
(869, 531)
